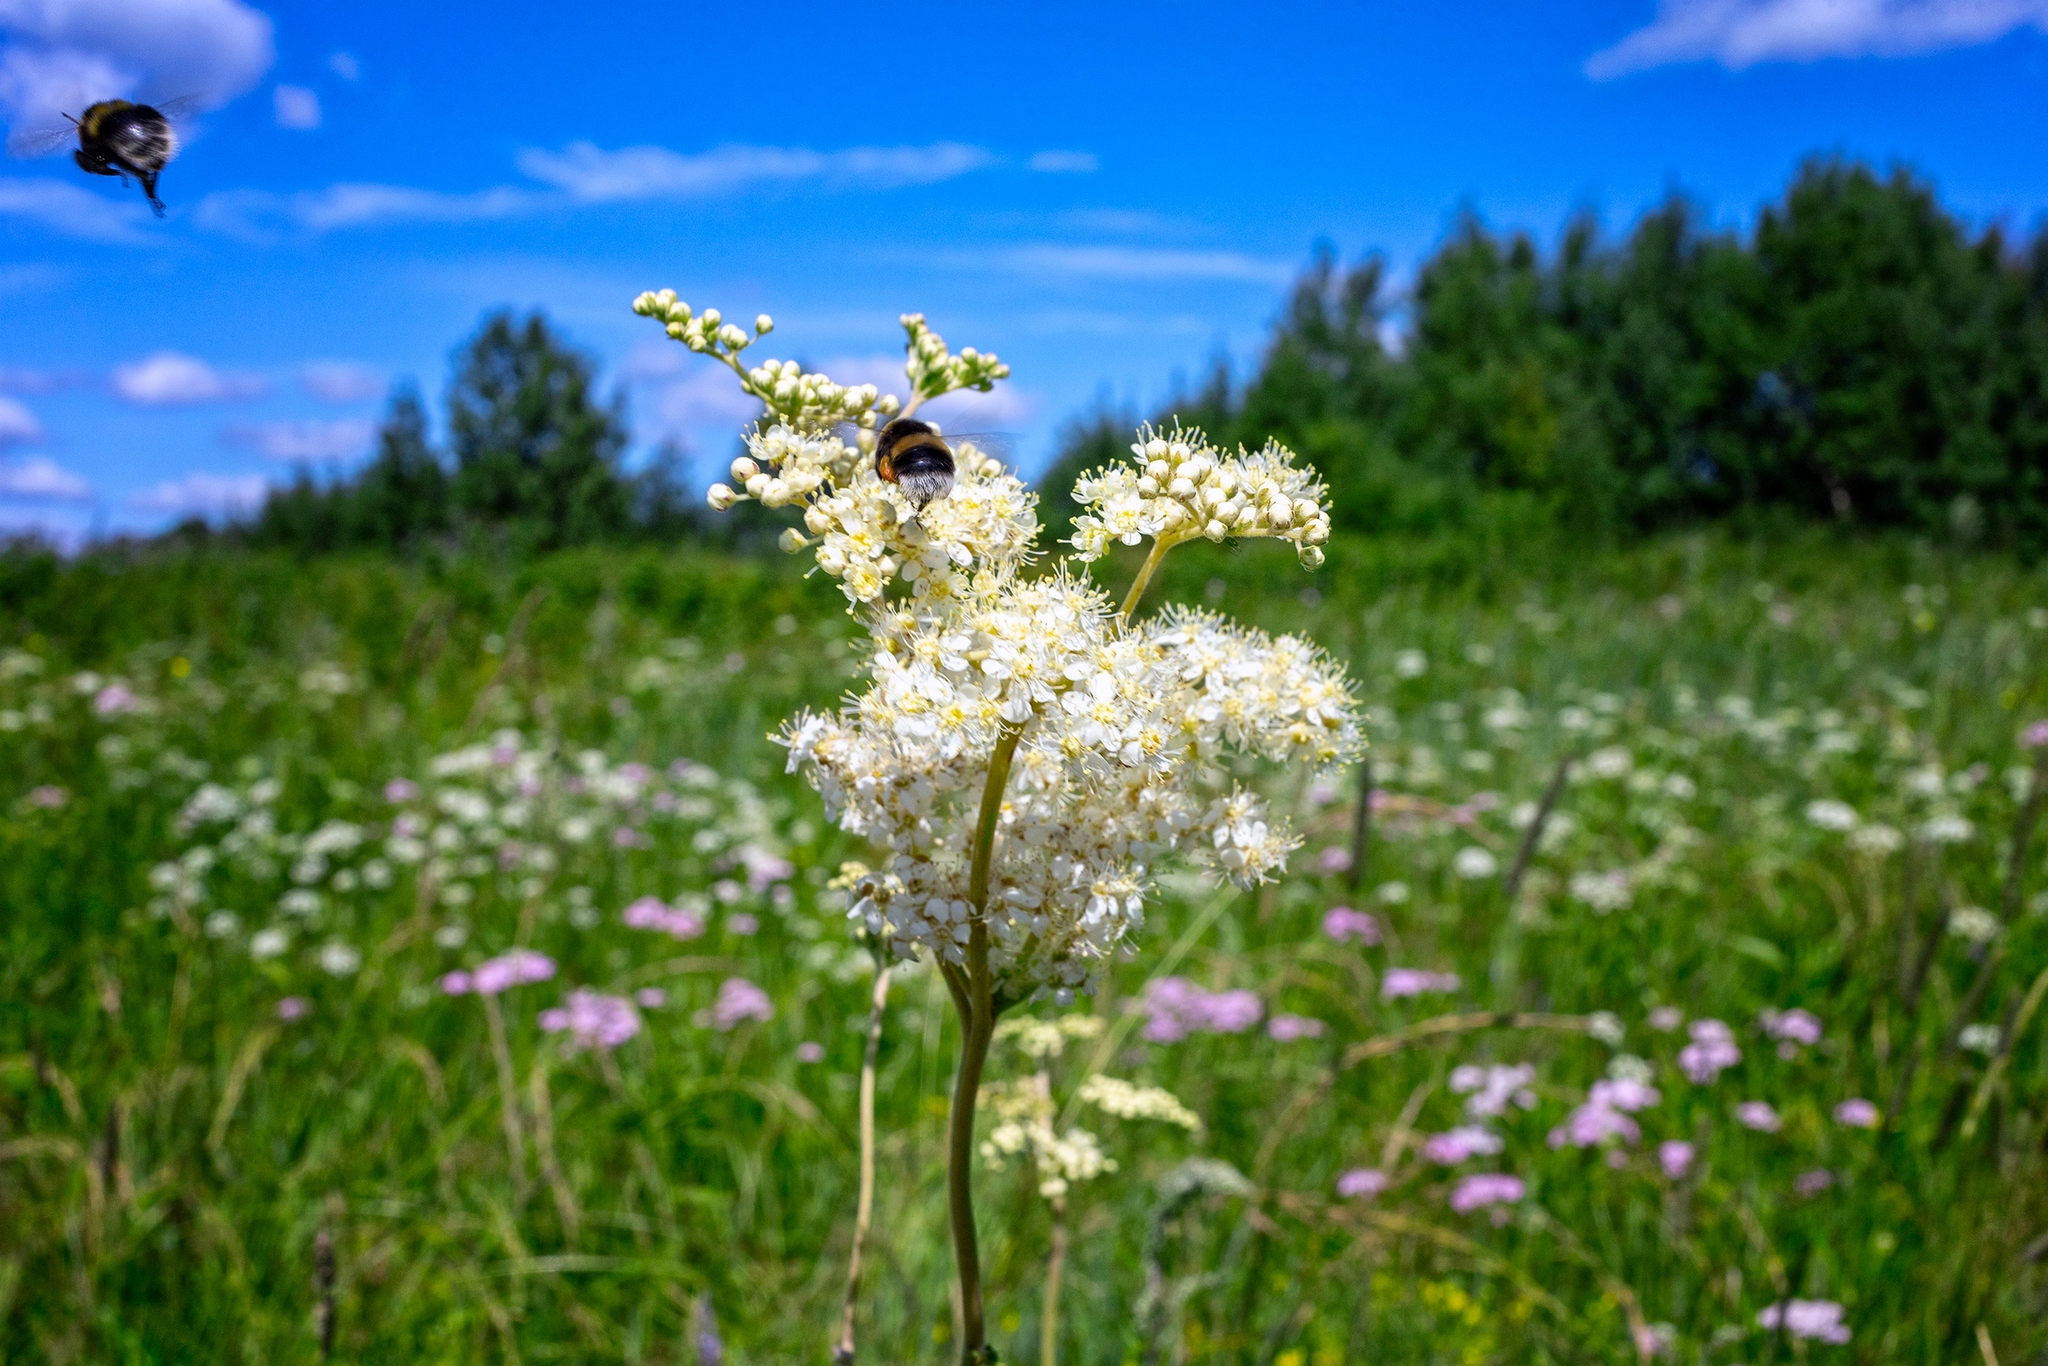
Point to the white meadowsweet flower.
(1178, 487)
(1114, 1096)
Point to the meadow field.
(433, 962)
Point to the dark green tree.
(535, 451)
(402, 495)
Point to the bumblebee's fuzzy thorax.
(914, 457)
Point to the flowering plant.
(1026, 751)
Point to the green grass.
(170, 1149)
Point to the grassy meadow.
(1780, 908)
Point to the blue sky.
(1106, 195)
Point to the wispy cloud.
(583, 173)
(63, 54)
(340, 381)
(20, 380)
(39, 479)
(315, 442)
(73, 210)
(167, 378)
(345, 65)
(296, 107)
(1742, 33)
(18, 426)
(203, 495)
(1125, 263)
(1064, 163)
(592, 175)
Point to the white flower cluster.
(1040, 1040)
(1182, 487)
(864, 528)
(1127, 1100)
(1111, 742)
(1023, 1113)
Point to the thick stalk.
(1145, 571)
(1049, 1327)
(977, 1027)
(863, 1209)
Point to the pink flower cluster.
(1711, 1052)
(1178, 1008)
(1486, 1188)
(1400, 982)
(1675, 1157)
(1491, 1088)
(1757, 1115)
(593, 1019)
(1347, 926)
(763, 868)
(1818, 1319)
(114, 699)
(493, 975)
(2034, 736)
(1793, 1026)
(1606, 1113)
(652, 913)
(740, 1000)
(1453, 1146)
(1288, 1028)
(1857, 1113)
(1361, 1183)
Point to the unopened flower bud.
(676, 331)
(1182, 488)
(1311, 557)
(763, 325)
(744, 469)
(1215, 531)
(712, 317)
(733, 337)
(791, 540)
(755, 483)
(643, 302)
(720, 497)
(774, 494)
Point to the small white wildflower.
(340, 959)
(1410, 663)
(1876, 839)
(1473, 863)
(1980, 1038)
(1829, 814)
(221, 924)
(1947, 828)
(1392, 893)
(1974, 924)
(1613, 761)
(268, 943)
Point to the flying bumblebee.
(121, 138)
(915, 458)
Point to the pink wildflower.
(1757, 1115)
(1453, 1146)
(1793, 1026)
(1288, 1028)
(810, 1051)
(1486, 1188)
(512, 968)
(1361, 1183)
(1492, 1087)
(1821, 1319)
(1675, 1157)
(740, 1000)
(293, 1008)
(1857, 1113)
(2034, 736)
(741, 923)
(1335, 859)
(47, 797)
(1400, 982)
(651, 998)
(1813, 1182)
(1664, 1019)
(1711, 1052)
(1345, 925)
(400, 790)
(113, 700)
(593, 1019)
(1178, 1008)
(457, 983)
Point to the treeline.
(533, 463)
(1859, 355)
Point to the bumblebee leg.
(92, 167)
(149, 189)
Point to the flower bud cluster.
(934, 370)
(783, 387)
(1180, 487)
(1023, 1112)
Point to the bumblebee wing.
(1000, 446)
(183, 109)
(40, 141)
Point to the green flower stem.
(1160, 546)
(974, 1000)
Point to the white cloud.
(586, 174)
(64, 54)
(1127, 263)
(313, 442)
(19, 380)
(1741, 33)
(297, 107)
(340, 381)
(74, 210)
(39, 479)
(1064, 163)
(592, 175)
(345, 66)
(17, 424)
(168, 377)
(687, 396)
(203, 495)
